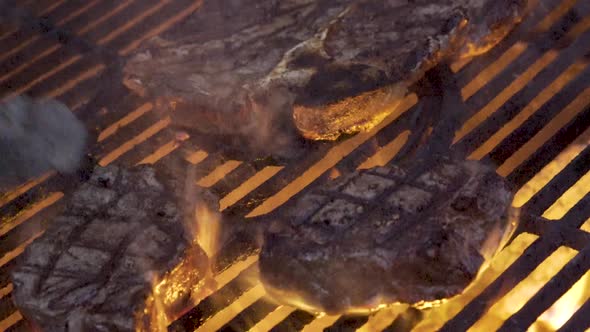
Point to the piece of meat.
(388, 235)
(330, 66)
(118, 258)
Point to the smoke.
(37, 136)
(250, 125)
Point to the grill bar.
(249, 316)
(296, 321)
(347, 323)
(550, 293)
(542, 18)
(524, 97)
(549, 194)
(531, 258)
(516, 298)
(516, 142)
(15, 323)
(7, 307)
(405, 322)
(579, 322)
(564, 137)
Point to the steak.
(388, 235)
(328, 66)
(118, 258)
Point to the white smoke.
(37, 136)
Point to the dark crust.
(384, 236)
(230, 54)
(95, 265)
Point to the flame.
(562, 310)
(177, 291)
(514, 300)
(153, 318)
(191, 279)
(208, 222)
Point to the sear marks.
(94, 268)
(331, 66)
(386, 235)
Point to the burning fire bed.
(529, 100)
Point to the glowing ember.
(181, 288)
(208, 222)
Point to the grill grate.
(531, 107)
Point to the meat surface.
(118, 258)
(388, 235)
(329, 66)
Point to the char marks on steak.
(388, 235)
(333, 66)
(96, 266)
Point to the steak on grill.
(96, 266)
(388, 235)
(332, 66)
(417, 231)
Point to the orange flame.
(562, 310)
(207, 229)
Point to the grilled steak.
(388, 235)
(333, 66)
(96, 266)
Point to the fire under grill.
(530, 104)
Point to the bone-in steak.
(334, 66)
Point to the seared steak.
(333, 66)
(388, 235)
(98, 265)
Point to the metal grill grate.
(530, 99)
